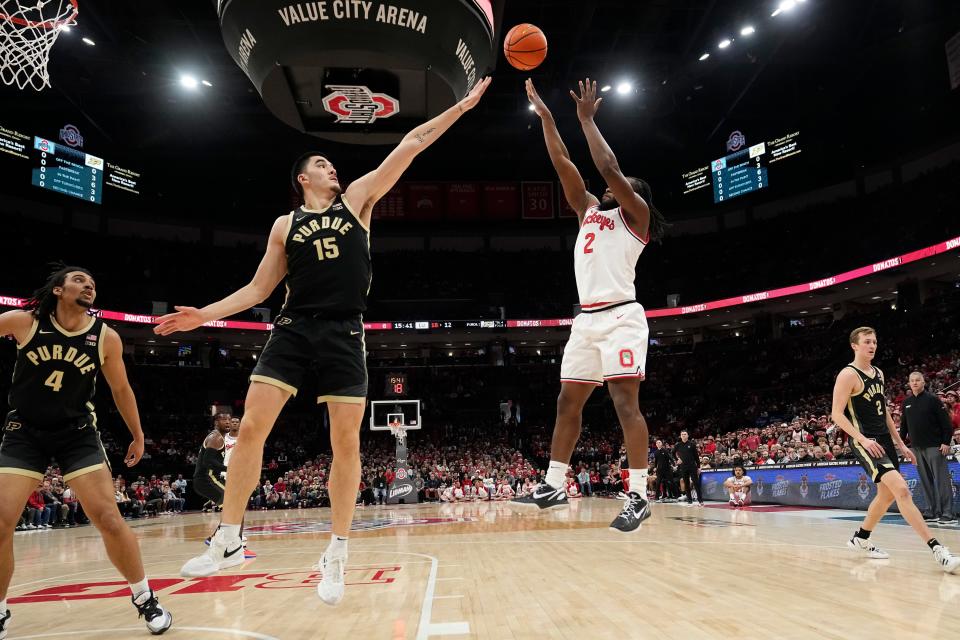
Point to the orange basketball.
(525, 47)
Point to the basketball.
(525, 47)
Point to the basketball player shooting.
(608, 341)
(323, 249)
(60, 351)
(860, 409)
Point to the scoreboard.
(396, 385)
(66, 170)
(743, 171)
(63, 166)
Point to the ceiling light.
(605, 88)
(786, 5)
(724, 43)
(66, 28)
(624, 88)
(188, 82)
(875, 298)
(207, 83)
(825, 308)
(90, 42)
(747, 30)
(531, 107)
(704, 57)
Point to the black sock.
(862, 533)
(932, 542)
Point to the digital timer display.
(396, 385)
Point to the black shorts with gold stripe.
(876, 467)
(27, 450)
(209, 486)
(332, 348)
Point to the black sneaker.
(158, 619)
(947, 520)
(929, 517)
(634, 512)
(543, 496)
(5, 624)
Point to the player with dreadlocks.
(608, 341)
(61, 348)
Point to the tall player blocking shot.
(608, 341)
(323, 250)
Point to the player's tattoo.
(423, 136)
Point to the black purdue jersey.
(56, 372)
(867, 410)
(328, 261)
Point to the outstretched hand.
(472, 98)
(539, 107)
(185, 319)
(587, 101)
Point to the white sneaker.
(4, 624)
(947, 561)
(221, 554)
(330, 588)
(865, 547)
(158, 619)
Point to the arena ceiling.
(864, 80)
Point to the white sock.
(3, 607)
(556, 473)
(337, 546)
(231, 532)
(638, 482)
(139, 588)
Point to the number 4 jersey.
(328, 261)
(55, 376)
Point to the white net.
(28, 30)
(399, 432)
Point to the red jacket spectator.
(710, 447)
(35, 500)
(753, 442)
(389, 475)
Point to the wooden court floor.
(491, 571)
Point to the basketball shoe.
(635, 511)
(865, 547)
(947, 561)
(158, 619)
(221, 554)
(331, 586)
(544, 496)
(5, 624)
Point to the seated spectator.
(738, 486)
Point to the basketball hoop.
(28, 30)
(399, 432)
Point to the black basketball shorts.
(333, 348)
(876, 467)
(27, 450)
(210, 486)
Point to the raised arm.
(367, 190)
(631, 204)
(116, 374)
(272, 269)
(574, 189)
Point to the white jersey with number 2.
(605, 258)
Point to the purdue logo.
(13, 426)
(283, 321)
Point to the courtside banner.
(840, 485)
(948, 245)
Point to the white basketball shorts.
(607, 345)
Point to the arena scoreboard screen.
(63, 167)
(744, 170)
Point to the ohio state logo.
(71, 135)
(736, 141)
(356, 104)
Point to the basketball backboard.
(384, 413)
